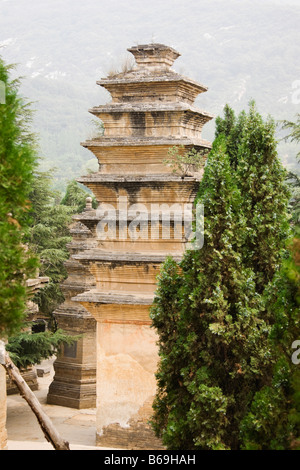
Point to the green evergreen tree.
(294, 184)
(294, 128)
(18, 159)
(33, 231)
(49, 233)
(213, 342)
(294, 177)
(232, 127)
(75, 196)
(48, 237)
(273, 421)
(219, 358)
(262, 181)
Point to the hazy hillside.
(240, 50)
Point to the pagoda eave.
(147, 107)
(124, 257)
(143, 142)
(155, 178)
(138, 79)
(113, 298)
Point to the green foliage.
(26, 349)
(17, 161)
(49, 233)
(294, 128)
(293, 177)
(98, 128)
(75, 196)
(232, 128)
(217, 329)
(294, 183)
(274, 418)
(262, 182)
(47, 236)
(210, 311)
(185, 163)
(273, 421)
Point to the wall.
(3, 432)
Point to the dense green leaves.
(274, 418)
(75, 197)
(261, 180)
(184, 162)
(18, 160)
(294, 131)
(27, 349)
(49, 233)
(294, 177)
(211, 311)
(273, 421)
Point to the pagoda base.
(74, 386)
(126, 383)
(138, 435)
(74, 382)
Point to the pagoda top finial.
(154, 55)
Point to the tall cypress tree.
(261, 178)
(49, 233)
(18, 158)
(219, 357)
(207, 316)
(273, 421)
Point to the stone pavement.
(24, 433)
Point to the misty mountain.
(240, 50)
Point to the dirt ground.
(24, 433)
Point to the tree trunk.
(47, 427)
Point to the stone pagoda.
(117, 250)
